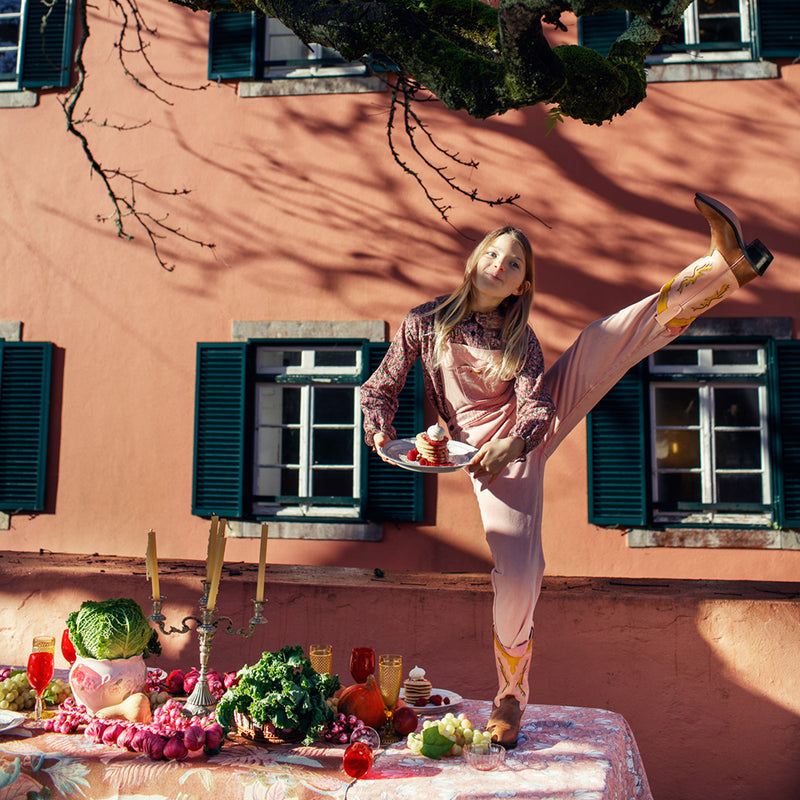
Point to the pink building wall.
(313, 221)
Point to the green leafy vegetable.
(434, 744)
(111, 629)
(283, 690)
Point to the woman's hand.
(379, 440)
(494, 456)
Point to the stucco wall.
(705, 672)
(312, 220)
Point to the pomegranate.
(404, 720)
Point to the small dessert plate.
(397, 451)
(453, 702)
(10, 719)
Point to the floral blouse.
(415, 339)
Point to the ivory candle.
(262, 562)
(212, 547)
(152, 562)
(219, 559)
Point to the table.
(564, 752)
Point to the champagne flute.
(321, 657)
(362, 663)
(40, 668)
(390, 676)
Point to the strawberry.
(412, 455)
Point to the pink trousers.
(511, 507)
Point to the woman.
(484, 374)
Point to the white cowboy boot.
(513, 666)
(728, 265)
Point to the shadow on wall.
(704, 673)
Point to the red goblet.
(362, 663)
(357, 760)
(67, 648)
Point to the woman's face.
(499, 272)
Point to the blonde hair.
(515, 308)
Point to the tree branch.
(124, 206)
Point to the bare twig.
(404, 92)
(124, 205)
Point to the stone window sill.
(719, 71)
(284, 87)
(716, 538)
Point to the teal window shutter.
(786, 391)
(393, 493)
(219, 436)
(47, 51)
(599, 31)
(25, 377)
(617, 453)
(779, 21)
(233, 44)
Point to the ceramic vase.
(99, 683)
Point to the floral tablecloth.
(564, 752)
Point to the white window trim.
(371, 331)
(780, 328)
(308, 376)
(709, 65)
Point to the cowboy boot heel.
(758, 255)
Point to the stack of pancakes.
(434, 451)
(416, 690)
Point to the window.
(278, 434)
(719, 39)
(254, 48)
(25, 374)
(719, 27)
(307, 432)
(703, 434)
(709, 441)
(35, 44)
(285, 56)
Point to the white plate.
(455, 701)
(10, 719)
(397, 452)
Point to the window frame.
(223, 438)
(236, 51)
(619, 446)
(773, 25)
(707, 378)
(308, 378)
(694, 50)
(44, 54)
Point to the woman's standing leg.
(599, 357)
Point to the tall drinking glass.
(390, 678)
(362, 663)
(40, 668)
(321, 657)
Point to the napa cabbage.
(109, 629)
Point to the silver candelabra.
(201, 701)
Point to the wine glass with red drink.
(358, 759)
(40, 668)
(67, 648)
(362, 663)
